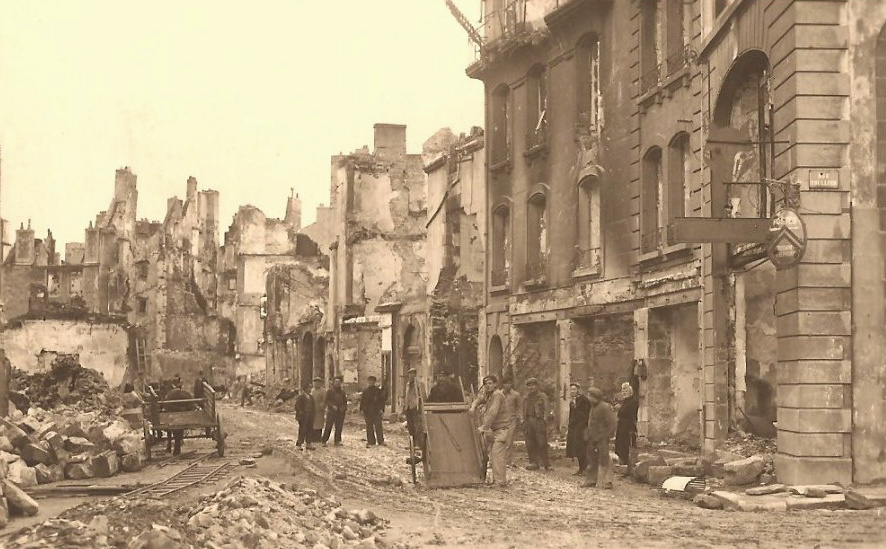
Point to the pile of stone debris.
(65, 383)
(253, 513)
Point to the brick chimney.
(25, 253)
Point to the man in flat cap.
(601, 427)
(445, 390)
(304, 414)
(535, 414)
(336, 406)
(318, 393)
(372, 404)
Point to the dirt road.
(538, 510)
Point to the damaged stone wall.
(760, 343)
(534, 354)
(103, 346)
(601, 350)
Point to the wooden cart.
(202, 421)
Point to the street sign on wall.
(787, 239)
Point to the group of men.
(319, 411)
(592, 422)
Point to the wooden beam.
(694, 230)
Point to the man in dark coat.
(601, 427)
(535, 414)
(198, 386)
(177, 393)
(304, 413)
(579, 408)
(372, 404)
(626, 431)
(445, 390)
(336, 406)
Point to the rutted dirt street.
(538, 509)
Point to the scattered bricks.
(35, 453)
(55, 440)
(4, 512)
(130, 443)
(62, 457)
(641, 470)
(79, 445)
(659, 473)
(5, 445)
(21, 474)
(105, 464)
(73, 429)
(29, 424)
(45, 428)
(18, 500)
(49, 473)
(96, 434)
(13, 432)
(765, 490)
(131, 463)
(79, 471)
(744, 471)
(707, 502)
(80, 458)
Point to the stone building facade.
(636, 152)
(377, 290)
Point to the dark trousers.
(582, 462)
(178, 436)
(413, 424)
(599, 463)
(537, 441)
(374, 431)
(305, 425)
(335, 419)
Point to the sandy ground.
(539, 509)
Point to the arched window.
(679, 170)
(537, 107)
(651, 214)
(501, 245)
(590, 101)
(500, 118)
(536, 237)
(650, 44)
(588, 254)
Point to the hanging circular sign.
(787, 239)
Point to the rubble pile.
(745, 444)
(66, 383)
(248, 513)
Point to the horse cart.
(195, 416)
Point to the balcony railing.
(536, 270)
(586, 259)
(679, 59)
(499, 277)
(650, 79)
(537, 137)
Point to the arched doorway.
(306, 371)
(496, 356)
(320, 359)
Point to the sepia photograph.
(493, 274)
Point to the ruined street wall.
(103, 347)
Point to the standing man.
(601, 427)
(177, 393)
(336, 406)
(318, 394)
(579, 408)
(410, 407)
(479, 408)
(372, 404)
(514, 408)
(535, 412)
(626, 430)
(445, 390)
(304, 414)
(495, 427)
(198, 385)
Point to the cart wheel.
(149, 439)
(219, 437)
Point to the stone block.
(73, 428)
(816, 323)
(131, 463)
(4, 512)
(641, 469)
(793, 470)
(105, 464)
(46, 427)
(816, 372)
(812, 347)
(6, 445)
(744, 471)
(35, 453)
(18, 500)
(21, 474)
(689, 470)
(835, 227)
(130, 443)
(56, 440)
(13, 432)
(810, 444)
(29, 424)
(707, 502)
(815, 420)
(810, 396)
(831, 501)
(658, 474)
(79, 471)
(728, 500)
(79, 445)
(49, 473)
(766, 490)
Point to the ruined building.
(377, 301)
(636, 153)
(253, 244)
(455, 256)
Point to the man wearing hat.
(336, 406)
(535, 414)
(304, 414)
(601, 427)
(410, 406)
(372, 404)
(478, 408)
(444, 390)
(318, 393)
(495, 428)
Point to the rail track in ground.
(195, 474)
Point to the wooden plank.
(694, 230)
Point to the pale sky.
(251, 98)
